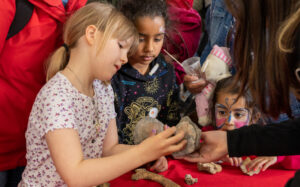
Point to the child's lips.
(147, 58)
(117, 67)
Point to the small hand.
(160, 165)
(161, 144)
(192, 86)
(261, 162)
(234, 161)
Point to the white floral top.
(59, 105)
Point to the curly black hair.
(134, 9)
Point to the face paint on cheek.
(239, 124)
(220, 122)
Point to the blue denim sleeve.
(295, 107)
(218, 23)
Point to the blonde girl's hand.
(161, 144)
(160, 164)
(194, 84)
(234, 161)
(261, 162)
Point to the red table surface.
(229, 176)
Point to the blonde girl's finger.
(166, 127)
(176, 147)
(168, 132)
(175, 139)
(153, 132)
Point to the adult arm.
(268, 140)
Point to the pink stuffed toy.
(215, 67)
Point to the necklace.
(95, 122)
(76, 77)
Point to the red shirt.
(22, 70)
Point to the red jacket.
(184, 36)
(22, 69)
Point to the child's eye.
(141, 39)
(157, 39)
(239, 115)
(222, 113)
(120, 45)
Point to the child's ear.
(90, 34)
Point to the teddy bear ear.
(297, 72)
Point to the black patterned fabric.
(137, 96)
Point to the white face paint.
(162, 29)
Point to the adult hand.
(261, 162)
(212, 148)
(194, 84)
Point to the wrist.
(142, 155)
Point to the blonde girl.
(72, 136)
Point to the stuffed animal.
(215, 67)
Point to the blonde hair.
(287, 31)
(107, 19)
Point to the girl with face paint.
(233, 112)
(229, 111)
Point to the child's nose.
(229, 126)
(230, 120)
(149, 46)
(124, 58)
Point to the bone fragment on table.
(190, 180)
(144, 174)
(210, 167)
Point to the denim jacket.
(218, 24)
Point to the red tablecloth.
(229, 176)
